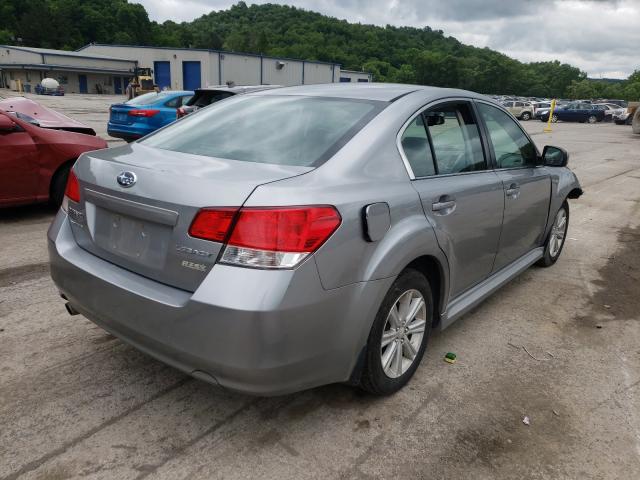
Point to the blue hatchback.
(145, 114)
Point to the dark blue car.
(576, 112)
(145, 114)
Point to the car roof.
(385, 92)
(237, 88)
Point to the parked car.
(206, 96)
(45, 117)
(145, 114)
(610, 110)
(521, 110)
(539, 108)
(35, 160)
(287, 239)
(576, 112)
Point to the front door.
(82, 81)
(527, 186)
(19, 166)
(460, 195)
(117, 85)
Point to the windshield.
(148, 98)
(285, 130)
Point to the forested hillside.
(396, 54)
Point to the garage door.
(162, 72)
(191, 75)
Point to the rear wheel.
(399, 334)
(557, 236)
(58, 184)
(592, 119)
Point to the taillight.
(212, 223)
(269, 237)
(72, 190)
(143, 113)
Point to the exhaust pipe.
(72, 311)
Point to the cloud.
(601, 37)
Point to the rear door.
(18, 166)
(527, 186)
(460, 195)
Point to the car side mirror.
(554, 156)
(435, 118)
(6, 124)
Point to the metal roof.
(65, 53)
(224, 52)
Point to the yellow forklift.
(141, 82)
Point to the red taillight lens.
(72, 191)
(212, 224)
(269, 237)
(287, 229)
(143, 113)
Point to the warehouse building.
(99, 68)
(77, 72)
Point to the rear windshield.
(204, 98)
(149, 98)
(285, 130)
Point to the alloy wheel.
(403, 333)
(554, 118)
(558, 232)
(592, 119)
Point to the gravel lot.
(77, 403)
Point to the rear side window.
(415, 144)
(205, 98)
(455, 139)
(285, 130)
(511, 146)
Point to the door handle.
(444, 204)
(513, 191)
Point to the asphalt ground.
(558, 345)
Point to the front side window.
(455, 139)
(511, 146)
(275, 129)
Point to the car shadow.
(28, 213)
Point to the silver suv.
(290, 238)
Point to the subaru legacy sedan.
(296, 237)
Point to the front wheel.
(592, 119)
(526, 116)
(554, 118)
(557, 236)
(399, 334)
(59, 184)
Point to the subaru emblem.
(127, 179)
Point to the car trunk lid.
(144, 227)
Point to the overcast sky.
(601, 37)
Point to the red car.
(35, 160)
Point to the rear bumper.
(128, 132)
(255, 331)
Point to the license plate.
(131, 238)
(119, 117)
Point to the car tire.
(557, 236)
(394, 335)
(59, 184)
(554, 118)
(592, 119)
(526, 116)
